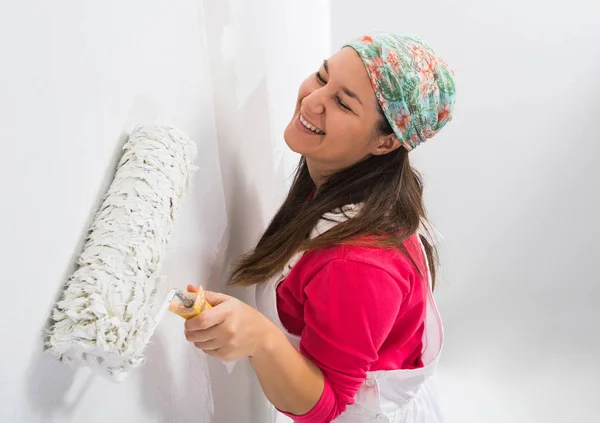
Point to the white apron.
(393, 396)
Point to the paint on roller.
(107, 311)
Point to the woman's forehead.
(347, 68)
(347, 61)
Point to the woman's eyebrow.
(346, 91)
(351, 94)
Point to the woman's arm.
(231, 330)
(291, 382)
(349, 311)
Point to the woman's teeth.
(311, 127)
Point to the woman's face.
(336, 116)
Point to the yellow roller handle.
(200, 304)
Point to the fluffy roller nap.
(107, 307)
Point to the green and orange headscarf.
(414, 87)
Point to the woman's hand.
(230, 330)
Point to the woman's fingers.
(207, 340)
(206, 319)
(215, 298)
(224, 354)
(212, 345)
(220, 331)
(201, 335)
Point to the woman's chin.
(293, 140)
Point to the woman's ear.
(385, 144)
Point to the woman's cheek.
(344, 137)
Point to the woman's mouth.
(307, 127)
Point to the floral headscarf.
(413, 85)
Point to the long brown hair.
(392, 194)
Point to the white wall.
(513, 185)
(75, 77)
(259, 53)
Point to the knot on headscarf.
(414, 87)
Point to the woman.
(346, 327)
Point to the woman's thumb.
(215, 298)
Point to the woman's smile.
(305, 126)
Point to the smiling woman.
(340, 103)
(346, 327)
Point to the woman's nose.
(313, 102)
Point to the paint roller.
(108, 309)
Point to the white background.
(511, 183)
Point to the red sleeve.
(350, 309)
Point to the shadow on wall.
(49, 385)
(48, 380)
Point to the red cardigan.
(357, 309)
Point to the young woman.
(346, 327)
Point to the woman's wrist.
(290, 381)
(270, 341)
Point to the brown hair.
(392, 193)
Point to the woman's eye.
(338, 100)
(342, 104)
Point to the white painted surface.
(75, 78)
(514, 186)
(274, 53)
